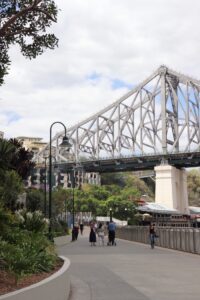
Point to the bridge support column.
(171, 188)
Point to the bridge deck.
(131, 271)
(136, 163)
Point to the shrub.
(32, 221)
(34, 199)
(26, 252)
(6, 219)
(24, 248)
(10, 187)
(59, 228)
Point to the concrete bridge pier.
(171, 188)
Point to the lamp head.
(65, 143)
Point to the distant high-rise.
(33, 144)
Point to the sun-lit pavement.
(131, 271)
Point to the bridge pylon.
(171, 188)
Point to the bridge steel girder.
(160, 115)
(134, 163)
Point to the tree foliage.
(121, 209)
(98, 192)
(34, 200)
(193, 183)
(95, 199)
(113, 178)
(25, 251)
(14, 157)
(6, 219)
(15, 165)
(25, 23)
(21, 159)
(10, 188)
(61, 198)
(7, 151)
(130, 184)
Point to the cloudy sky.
(106, 47)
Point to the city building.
(33, 144)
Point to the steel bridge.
(159, 120)
(134, 163)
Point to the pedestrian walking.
(111, 233)
(76, 231)
(95, 226)
(152, 235)
(81, 228)
(100, 233)
(92, 236)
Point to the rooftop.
(29, 137)
(156, 207)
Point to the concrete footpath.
(130, 271)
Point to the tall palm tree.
(21, 161)
(7, 151)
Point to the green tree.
(113, 178)
(121, 180)
(113, 189)
(6, 219)
(14, 156)
(21, 159)
(10, 188)
(6, 154)
(193, 183)
(60, 198)
(130, 193)
(138, 184)
(121, 209)
(25, 22)
(34, 200)
(93, 205)
(96, 191)
(102, 209)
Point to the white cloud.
(124, 40)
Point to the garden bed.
(7, 282)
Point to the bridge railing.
(182, 239)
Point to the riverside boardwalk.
(130, 271)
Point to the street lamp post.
(65, 143)
(73, 210)
(65, 209)
(45, 187)
(73, 181)
(73, 204)
(110, 214)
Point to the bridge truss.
(160, 115)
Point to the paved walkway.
(131, 271)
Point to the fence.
(182, 239)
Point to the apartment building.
(33, 144)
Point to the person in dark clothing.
(111, 233)
(81, 228)
(92, 236)
(152, 235)
(76, 230)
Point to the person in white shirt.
(101, 233)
